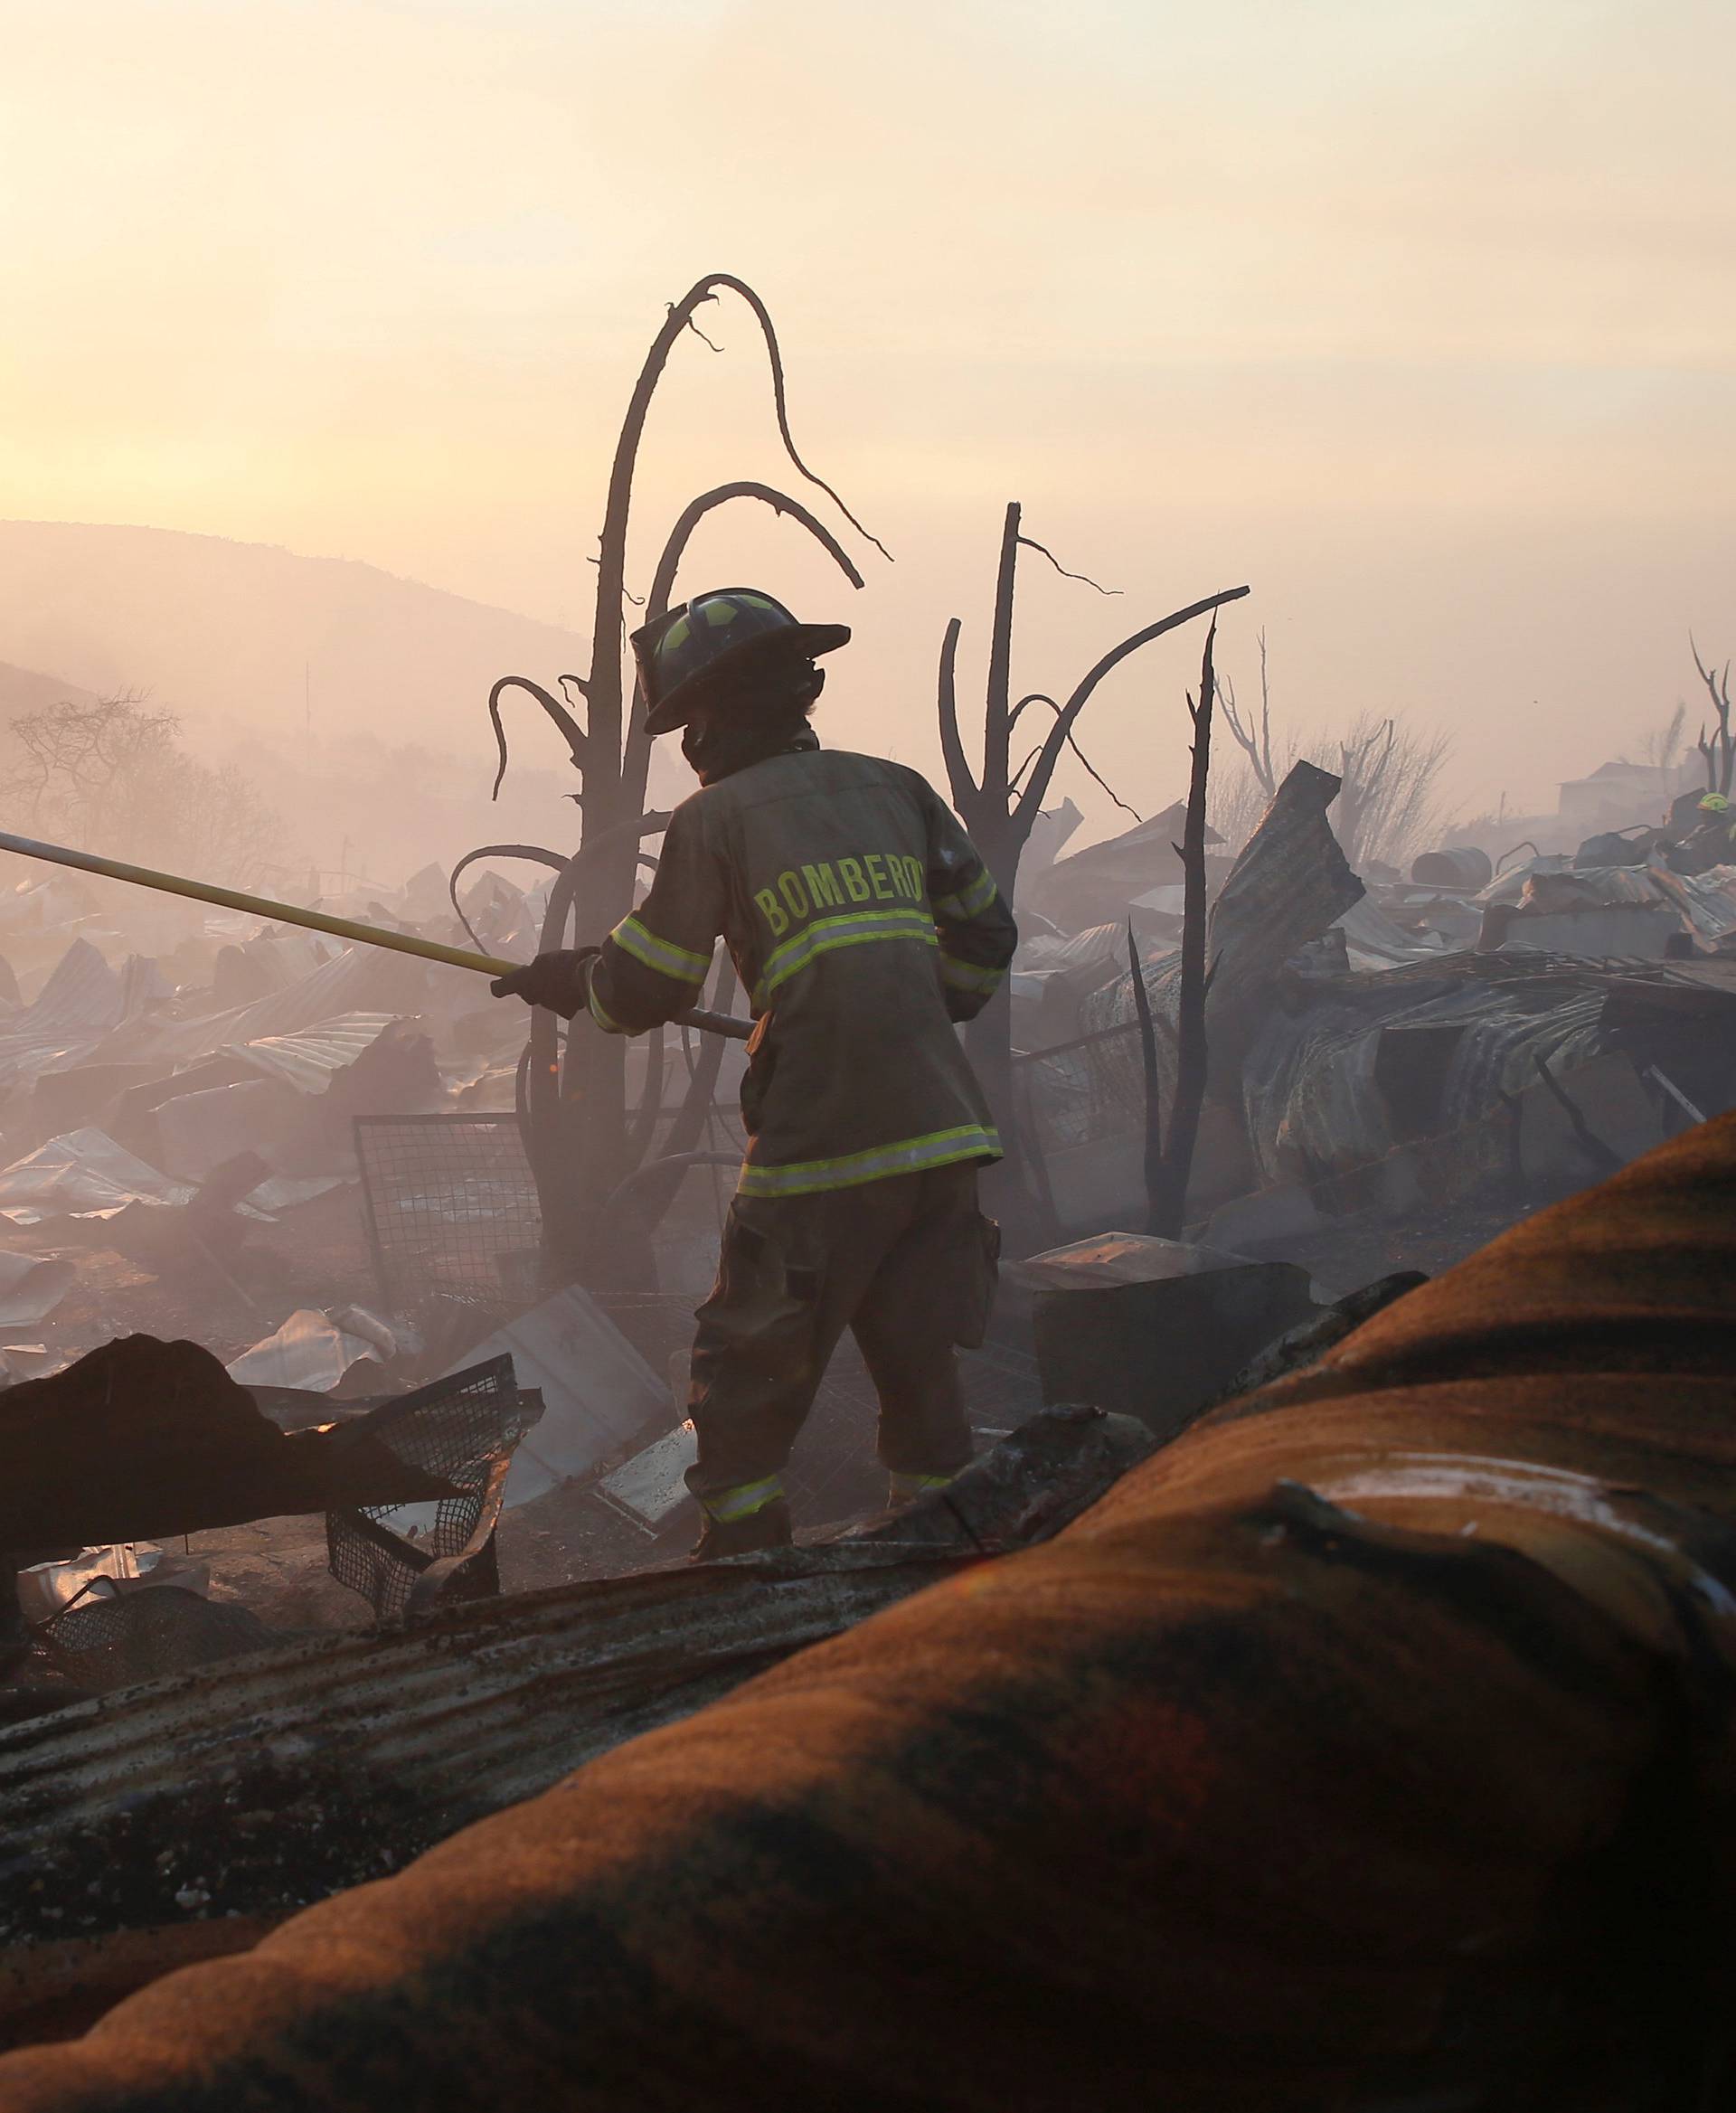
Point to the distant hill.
(224, 631)
(226, 634)
(22, 689)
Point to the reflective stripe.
(916, 1485)
(803, 1177)
(971, 900)
(609, 1024)
(850, 929)
(632, 938)
(744, 1499)
(966, 976)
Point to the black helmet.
(727, 629)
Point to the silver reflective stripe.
(745, 1499)
(911, 1155)
(966, 976)
(668, 959)
(971, 900)
(852, 930)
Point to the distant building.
(1618, 793)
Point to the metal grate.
(457, 1428)
(104, 1644)
(1085, 1090)
(450, 1207)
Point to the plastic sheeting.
(83, 1174)
(30, 1288)
(598, 1393)
(313, 1351)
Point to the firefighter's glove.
(560, 981)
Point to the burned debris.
(353, 1423)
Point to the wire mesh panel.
(457, 1428)
(104, 1644)
(450, 1205)
(1086, 1089)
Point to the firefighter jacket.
(861, 923)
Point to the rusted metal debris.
(253, 1787)
(1369, 1747)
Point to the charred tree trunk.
(1169, 1205)
(581, 1143)
(999, 809)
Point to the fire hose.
(317, 920)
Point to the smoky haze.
(1416, 320)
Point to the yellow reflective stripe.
(667, 959)
(971, 900)
(911, 1155)
(980, 893)
(966, 976)
(603, 1019)
(849, 929)
(744, 1499)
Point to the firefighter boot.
(769, 1527)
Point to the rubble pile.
(1388, 1047)
(1368, 1746)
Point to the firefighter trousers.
(907, 1263)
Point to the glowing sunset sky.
(1419, 317)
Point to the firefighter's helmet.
(727, 630)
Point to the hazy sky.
(1419, 317)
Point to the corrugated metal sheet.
(1370, 1746)
(1374, 941)
(308, 1061)
(81, 1002)
(351, 1750)
(1291, 883)
(360, 979)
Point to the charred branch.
(1042, 550)
(1031, 799)
(1254, 741)
(571, 732)
(1091, 771)
(539, 854)
(966, 791)
(1717, 744)
(663, 585)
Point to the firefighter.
(863, 925)
(1707, 841)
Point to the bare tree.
(1254, 737)
(1716, 744)
(111, 776)
(999, 806)
(583, 1144)
(1389, 802)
